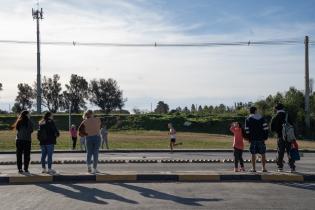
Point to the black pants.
(23, 147)
(74, 142)
(283, 147)
(238, 157)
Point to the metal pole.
(39, 89)
(38, 15)
(307, 86)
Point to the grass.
(148, 140)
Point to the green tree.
(52, 96)
(106, 95)
(0, 86)
(161, 108)
(193, 109)
(75, 94)
(24, 99)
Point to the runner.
(172, 134)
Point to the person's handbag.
(294, 152)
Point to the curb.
(145, 161)
(154, 151)
(156, 177)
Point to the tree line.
(293, 100)
(105, 94)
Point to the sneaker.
(51, 171)
(26, 171)
(252, 170)
(293, 170)
(242, 169)
(89, 169)
(264, 170)
(236, 170)
(280, 169)
(44, 171)
(95, 171)
(21, 171)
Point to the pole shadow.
(298, 185)
(154, 194)
(86, 194)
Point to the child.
(74, 136)
(238, 145)
(172, 134)
(82, 143)
(104, 136)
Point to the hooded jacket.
(256, 128)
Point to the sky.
(177, 75)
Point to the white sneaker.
(95, 171)
(44, 171)
(51, 171)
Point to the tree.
(186, 110)
(193, 108)
(52, 97)
(200, 110)
(106, 95)
(0, 86)
(161, 108)
(24, 98)
(75, 94)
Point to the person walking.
(104, 135)
(282, 145)
(256, 130)
(74, 136)
(47, 136)
(90, 128)
(24, 128)
(238, 145)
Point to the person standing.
(282, 145)
(74, 136)
(238, 145)
(24, 128)
(47, 136)
(256, 130)
(90, 128)
(104, 135)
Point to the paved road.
(158, 196)
(305, 165)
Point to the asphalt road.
(158, 196)
(305, 165)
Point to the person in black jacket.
(256, 131)
(47, 135)
(282, 146)
(24, 128)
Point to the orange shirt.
(92, 126)
(238, 137)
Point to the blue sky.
(179, 76)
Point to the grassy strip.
(148, 140)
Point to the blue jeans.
(92, 146)
(47, 151)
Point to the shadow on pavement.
(304, 186)
(83, 193)
(154, 194)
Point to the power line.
(156, 44)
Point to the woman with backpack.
(90, 128)
(47, 135)
(24, 128)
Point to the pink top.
(238, 137)
(73, 132)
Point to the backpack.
(42, 133)
(288, 133)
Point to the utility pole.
(307, 86)
(38, 15)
